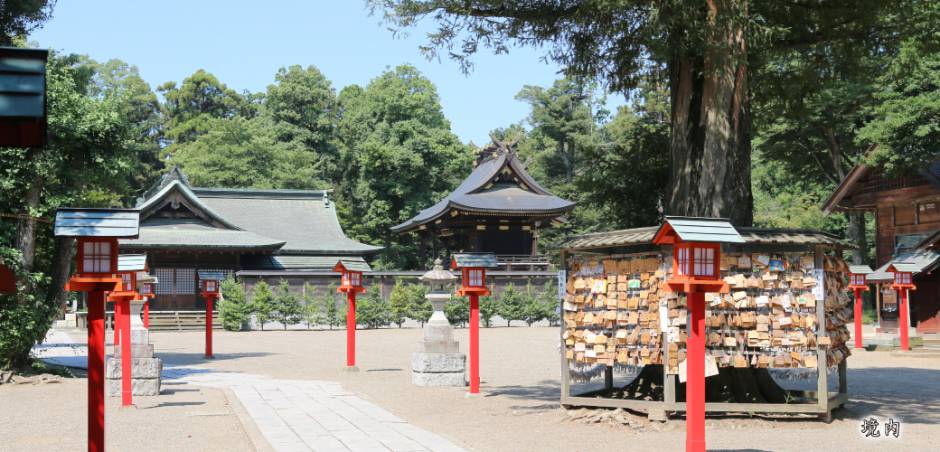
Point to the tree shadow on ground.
(545, 390)
(910, 395)
(186, 359)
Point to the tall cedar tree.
(706, 48)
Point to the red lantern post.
(147, 290)
(128, 266)
(97, 231)
(858, 282)
(350, 283)
(473, 284)
(903, 283)
(210, 291)
(696, 258)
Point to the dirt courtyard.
(517, 411)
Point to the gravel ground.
(517, 411)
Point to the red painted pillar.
(125, 317)
(96, 371)
(351, 329)
(116, 326)
(474, 344)
(858, 318)
(695, 375)
(902, 308)
(147, 313)
(209, 300)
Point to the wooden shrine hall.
(907, 222)
(499, 208)
(185, 230)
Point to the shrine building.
(185, 230)
(499, 208)
(906, 207)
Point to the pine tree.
(332, 310)
(420, 306)
(488, 309)
(262, 302)
(313, 311)
(400, 303)
(234, 308)
(457, 311)
(287, 310)
(512, 304)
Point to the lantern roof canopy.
(79, 222)
(351, 265)
(146, 278)
(438, 274)
(132, 262)
(477, 260)
(208, 275)
(696, 229)
(860, 269)
(903, 267)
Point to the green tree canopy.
(398, 157)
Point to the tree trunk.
(857, 236)
(60, 271)
(26, 228)
(711, 136)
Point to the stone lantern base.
(145, 368)
(438, 369)
(438, 361)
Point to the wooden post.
(858, 317)
(209, 299)
(474, 344)
(608, 378)
(96, 371)
(116, 327)
(878, 303)
(695, 375)
(565, 378)
(904, 319)
(147, 313)
(351, 330)
(822, 376)
(125, 321)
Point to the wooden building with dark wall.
(185, 229)
(499, 208)
(907, 221)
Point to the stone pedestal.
(438, 361)
(145, 368)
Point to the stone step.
(140, 368)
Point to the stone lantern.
(438, 361)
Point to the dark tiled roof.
(305, 220)
(917, 261)
(74, 222)
(156, 233)
(478, 193)
(298, 263)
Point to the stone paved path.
(293, 415)
(304, 415)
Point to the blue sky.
(244, 43)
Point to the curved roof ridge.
(478, 180)
(191, 197)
